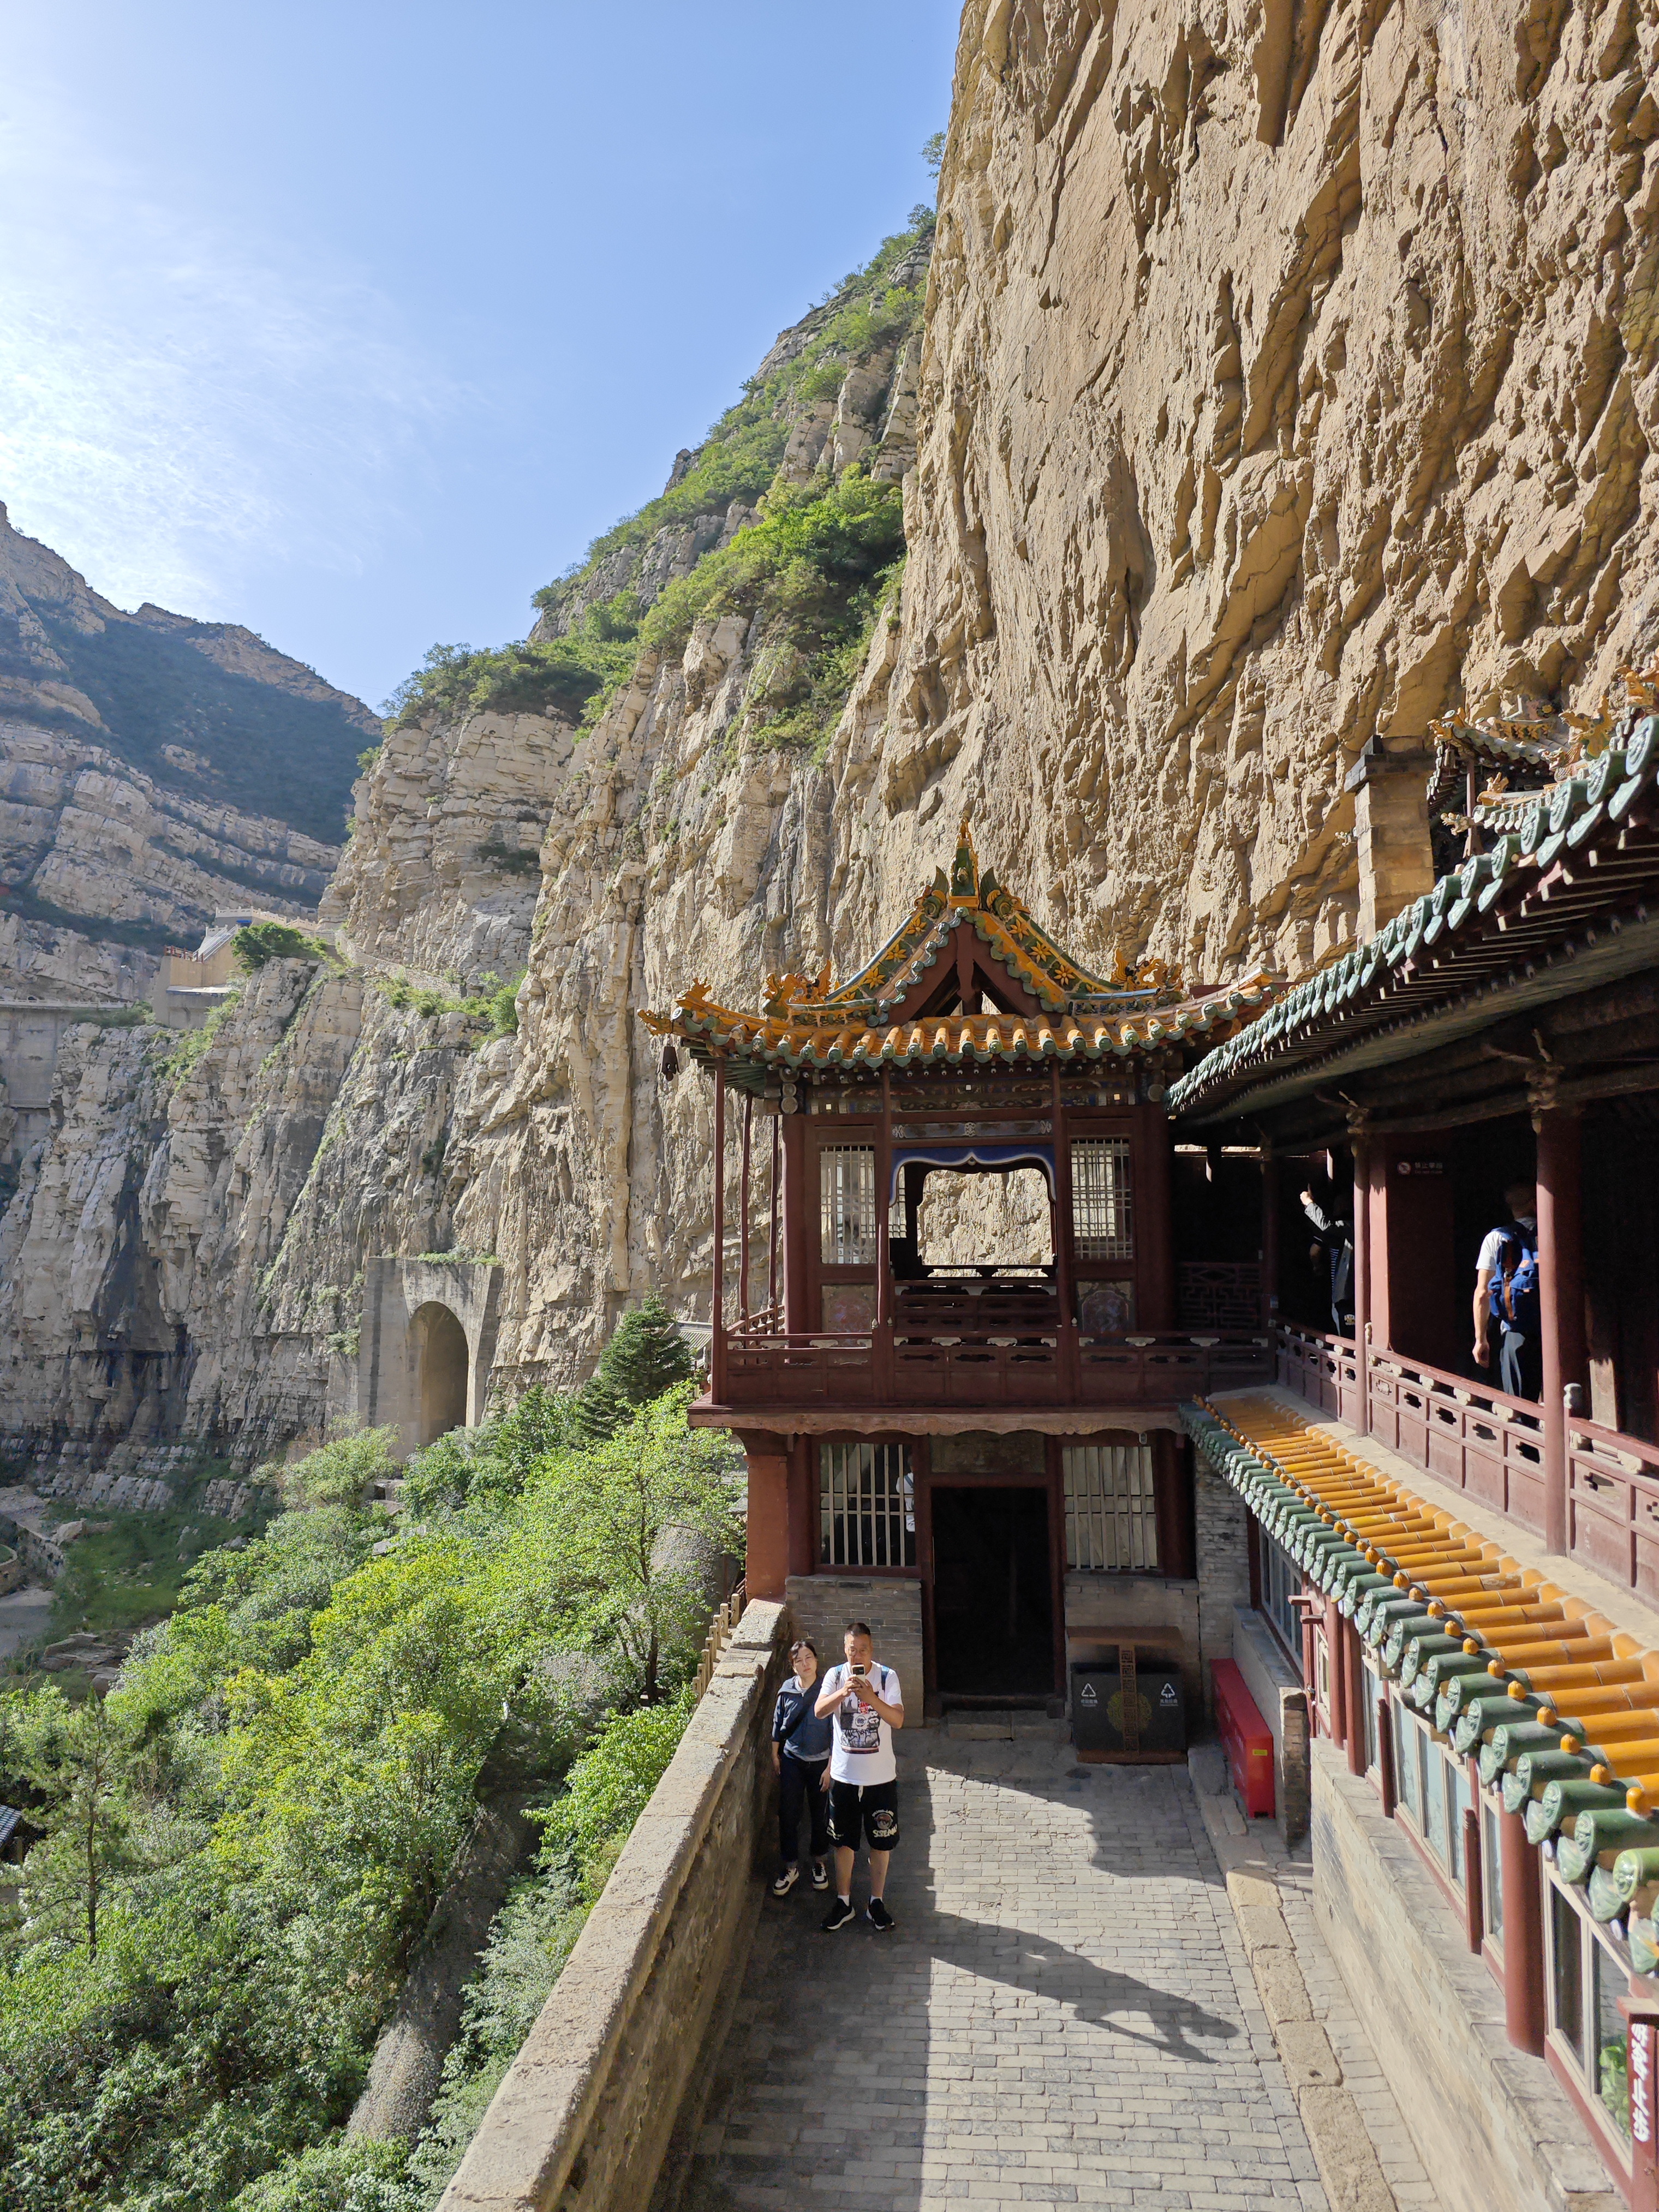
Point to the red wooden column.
(1560, 1299)
(1523, 1935)
(1353, 1675)
(883, 1346)
(1359, 1138)
(796, 1286)
(1269, 1238)
(1339, 1707)
(1154, 1229)
(775, 1123)
(767, 1565)
(717, 1345)
(742, 1208)
(1070, 1366)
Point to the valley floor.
(1064, 2014)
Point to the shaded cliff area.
(153, 768)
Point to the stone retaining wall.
(821, 1606)
(1481, 2113)
(587, 2110)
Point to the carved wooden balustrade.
(907, 1364)
(1491, 1446)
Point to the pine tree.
(645, 1356)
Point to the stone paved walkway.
(1063, 2016)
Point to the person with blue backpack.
(1506, 1296)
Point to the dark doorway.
(994, 1620)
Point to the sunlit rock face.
(1287, 379)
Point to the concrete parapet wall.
(1482, 2115)
(590, 2105)
(820, 1606)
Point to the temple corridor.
(1064, 2014)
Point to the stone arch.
(442, 1366)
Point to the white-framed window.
(1102, 1208)
(1111, 1510)
(1587, 1976)
(867, 1505)
(1432, 1783)
(847, 1206)
(1371, 1687)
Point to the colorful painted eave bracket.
(1491, 919)
(1561, 1705)
(949, 1039)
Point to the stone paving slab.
(1063, 2016)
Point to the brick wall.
(618, 2056)
(820, 1606)
(1224, 1563)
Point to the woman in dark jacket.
(801, 1759)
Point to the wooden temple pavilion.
(1464, 1584)
(966, 1449)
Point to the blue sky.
(355, 322)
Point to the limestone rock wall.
(1288, 377)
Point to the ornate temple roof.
(1562, 890)
(919, 1001)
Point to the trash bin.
(1131, 1710)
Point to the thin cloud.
(177, 405)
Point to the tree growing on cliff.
(645, 1356)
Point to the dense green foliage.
(491, 1006)
(244, 1840)
(258, 943)
(811, 565)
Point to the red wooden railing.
(1478, 1440)
(961, 1367)
(1491, 1446)
(1321, 1368)
(1613, 1504)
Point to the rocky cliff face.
(153, 770)
(1287, 378)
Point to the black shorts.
(871, 1806)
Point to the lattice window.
(1102, 1221)
(847, 1205)
(1111, 1514)
(867, 1500)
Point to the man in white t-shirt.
(864, 1700)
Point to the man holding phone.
(863, 1699)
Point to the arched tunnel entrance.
(440, 1373)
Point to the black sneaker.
(879, 1916)
(840, 1915)
(786, 1881)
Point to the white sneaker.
(786, 1881)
